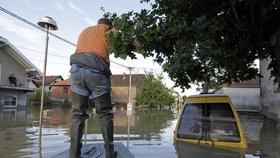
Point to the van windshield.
(211, 121)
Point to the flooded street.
(151, 134)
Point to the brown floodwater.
(151, 134)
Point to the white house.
(49, 80)
(15, 69)
(244, 95)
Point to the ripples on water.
(151, 135)
(262, 136)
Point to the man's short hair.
(105, 21)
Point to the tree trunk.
(205, 87)
(277, 54)
(275, 42)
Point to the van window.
(213, 122)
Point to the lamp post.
(47, 23)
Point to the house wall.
(243, 99)
(58, 94)
(120, 95)
(270, 95)
(9, 66)
(48, 88)
(32, 85)
(21, 98)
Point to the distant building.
(119, 94)
(244, 95)
(49, 80)
(61, 90)
(120, 88)
(15, 71)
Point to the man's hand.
(136, 45)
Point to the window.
(10, 101)
(65, 90)
(213, 121)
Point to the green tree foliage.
(35, 99)
(66, 103)
(202, 41)
(154, 93)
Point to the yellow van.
(210, 120)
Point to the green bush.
(35, 99)
(66, 103)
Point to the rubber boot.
(104, 111)
(79, 115)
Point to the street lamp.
(47, 23)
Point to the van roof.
(207, 95)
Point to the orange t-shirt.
(92, 40)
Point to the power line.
(54, 35)
(34, 25)
(50, 62)
(37, 27)
(39, 51)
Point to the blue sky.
(71, 16)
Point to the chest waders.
(79, 115)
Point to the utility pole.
(129, 106)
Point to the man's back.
(92, 40)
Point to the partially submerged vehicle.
(210, 120)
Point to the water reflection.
(19, 133)
(51, 117)
(9, 115)
(151, 134)
(144, 125)
(269, 140)
(150, 124)
(12, 135)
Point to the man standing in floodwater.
(90, 78)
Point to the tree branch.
(235, 15)
(234, 24)
(252, 13)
